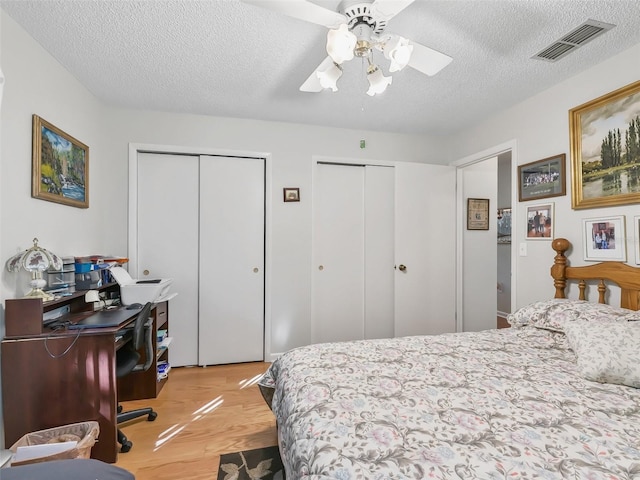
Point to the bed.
(555, 396)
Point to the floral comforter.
(487, 405)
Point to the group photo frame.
(605, 149)
(604, 239)
(60, 166)
(543, 178)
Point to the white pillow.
(606, 352)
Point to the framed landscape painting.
(60, 171)
(605, 149)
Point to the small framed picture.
(540, 222)
(636, 229)
(477, 214)
(542, 179)
(291, 194)
(604, 239)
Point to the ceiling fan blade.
(427, 60)
(387, 9)
(312, 84)
(302, 10)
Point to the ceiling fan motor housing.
(359, 13)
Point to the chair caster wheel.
(152, 416)
(126, 446)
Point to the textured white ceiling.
(228, 58)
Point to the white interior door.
(338, 253)
(167, 246)
(231, 321)
(425, 247)
(479, 272)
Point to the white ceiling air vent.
(574, 39)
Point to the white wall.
(540, 127)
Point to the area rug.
(258, 464)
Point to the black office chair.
(127, 359)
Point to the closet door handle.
(402, 268)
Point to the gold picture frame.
(605, 149)
(60, 170)
(477, 214)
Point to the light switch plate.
(523, 249)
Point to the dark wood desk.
(53, 378)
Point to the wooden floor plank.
(202, 413)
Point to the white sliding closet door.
(231, 320)
(167, 241)
(338, 277)
(352, 252)
(379, 240)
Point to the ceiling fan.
(356, 30)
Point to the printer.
(140, 291)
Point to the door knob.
(402, 268)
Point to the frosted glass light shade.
(340, 44)
(398, 51)
(377, 81)
(329, 77)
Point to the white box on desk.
(139, 291)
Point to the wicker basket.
(85, 433)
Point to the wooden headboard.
(623, 275)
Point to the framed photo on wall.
(605, 149)
(477, 214)
(540, 222)
(60, 170)
(604, 239)
(542, 179)
(291, 194)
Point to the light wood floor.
(202, 413)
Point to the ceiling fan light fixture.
(340, 44)
(398, 51)
(329, 77)
(378, 83)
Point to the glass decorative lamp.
(35, 260)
